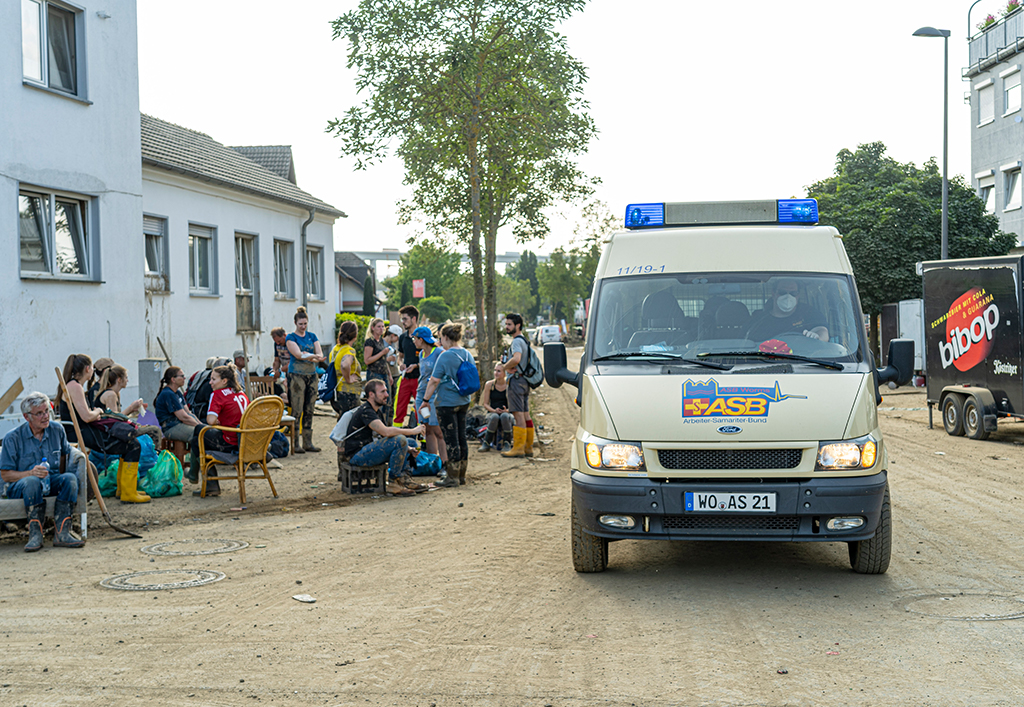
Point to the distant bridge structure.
(394, 254)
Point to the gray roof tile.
(277, 158)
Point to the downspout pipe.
(302, 246)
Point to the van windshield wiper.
(625, 355)
(769, 354)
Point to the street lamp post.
(944, 33)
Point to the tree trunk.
(491, 291)
(482, 333)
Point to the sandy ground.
(468, 597)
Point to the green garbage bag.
(164, 479)
(108, 479)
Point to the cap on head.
(239, 354)
(423, 332)
(395, 329)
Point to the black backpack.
(198, 394)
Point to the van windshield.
(704, 314)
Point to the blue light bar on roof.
(798, 210)
(645, 215)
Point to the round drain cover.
(179, 579)
(199, 546)
(967, 607)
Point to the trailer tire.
(871, 556)
(953, 415)
(974, 419)
(589, 552)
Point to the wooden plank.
(11, 395)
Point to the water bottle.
(46, 481)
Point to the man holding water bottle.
(30, 470)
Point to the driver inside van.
(787, 315)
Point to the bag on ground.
(279, 446)
(164, 478)
(426, 464)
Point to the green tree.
(435, 309)
(515, 295)
(406, 297)
(595, 224)
(890, 215)
(424, 261)
(369, 297)
(362, 323)
(486, 107)
(559, 283)
(526, 269)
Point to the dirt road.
(468, 597)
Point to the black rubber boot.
(62, 535)
(35, 527)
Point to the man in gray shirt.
(30, 469)
(517, 358)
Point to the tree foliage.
(890, 215)
(427, 261)
(369, 297)
(559, 283)
(485, 106)
(526, 269)
(435, 309)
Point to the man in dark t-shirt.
(787, 314)
(392, 447)
(410, 362)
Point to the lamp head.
(931, 32)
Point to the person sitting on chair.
(787, 314)
(392, 447)
(30, 469)
(172, 412)
(227, 404)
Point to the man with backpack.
(517, 364)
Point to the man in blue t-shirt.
(30, 469)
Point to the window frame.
(288, 293)
(86, 252)
(196, 230)
(1012, 188)
(986, 89)
(1011, 74)
(156, 280)
(41, 76)
(315, 278)
(249, 242)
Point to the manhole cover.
(180, 579)
(215, 547)
(967, 607)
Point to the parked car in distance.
(531, 335)
(548, 333)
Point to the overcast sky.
(692, 100)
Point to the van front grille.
(730, 458)
(699, 521)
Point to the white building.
(224, 250)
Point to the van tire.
(974, 420)
(871, 556)
(589, 552)
(953, 415)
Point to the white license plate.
(729, 502)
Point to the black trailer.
(972, 312)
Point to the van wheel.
(871, 556)
(974, 422)
(589, 553)
(953, 415)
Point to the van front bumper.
(803, 508)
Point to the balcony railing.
(985, 47)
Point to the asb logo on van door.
(704, 400)
(970, 321)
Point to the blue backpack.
(328, 384)
(467, 377)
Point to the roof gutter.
(302, 240)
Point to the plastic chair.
(259, 423)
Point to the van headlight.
(858, 453)
(607, 454)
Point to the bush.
(435, 309)
(362, 322)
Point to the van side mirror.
(555, 370)
(901, 362)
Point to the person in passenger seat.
(787, 314)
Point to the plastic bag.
(426, 464)
(148, 457)
(107, 476)
(164, 478)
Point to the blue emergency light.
(723, 213)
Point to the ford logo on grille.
(730, 429)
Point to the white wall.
(193, 328)
(90, 147)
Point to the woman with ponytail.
(176, 420)
(302, 378)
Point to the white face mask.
(786, 303)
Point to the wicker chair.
(264, 385)
(259, 422)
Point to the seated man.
(787, 315)
(392, 447)
(30, 470)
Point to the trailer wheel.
(974, 421)
(589, 553)
(871, 556)
(953, 415)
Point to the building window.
(54, 235)
(154, 230)
(986, 102)
(314, 273)
(1013, 189)
(284, 281)
(200, 259)
(1011, 93)
(987, 192)
(246, 316)
(49, 45)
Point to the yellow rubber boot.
(128, 474)
(117, 491)
(518, 443)
(528, 448)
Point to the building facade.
(997, 124)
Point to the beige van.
(726, 389)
